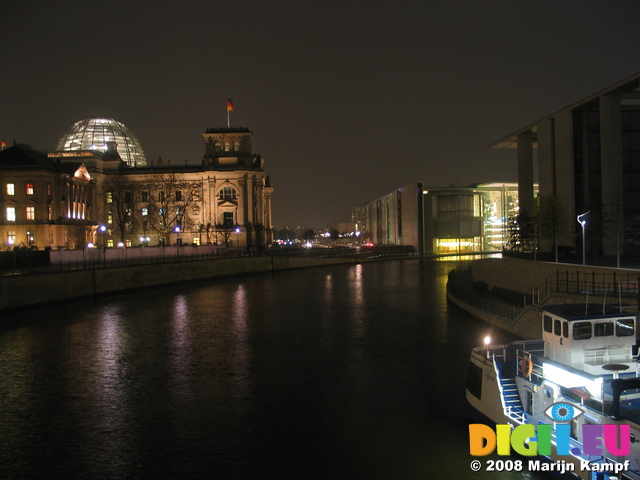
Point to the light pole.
(582, 220)
(102, 229)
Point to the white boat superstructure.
(584, 371)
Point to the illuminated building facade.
(588, 162)
(225, 199)
(44, 203)
(440, 221)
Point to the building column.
(525, 172)
(564, 176)
(612, 174)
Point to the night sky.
(347, 100)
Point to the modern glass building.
(95, 133)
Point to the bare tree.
(120, 192)
(170, 204)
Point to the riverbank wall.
(538, 285)
(19, 291)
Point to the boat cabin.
(597, 339)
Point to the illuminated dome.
(94, 133)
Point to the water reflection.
(241, 344)
(340, 372)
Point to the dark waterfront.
(351, 372)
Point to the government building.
(587, 160)
(98, 188)
(440, 220)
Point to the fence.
(509, 305)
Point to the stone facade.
(224, 200)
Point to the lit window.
(145, 212)
(110, 243)
(110, 218)
(227, 146)
(31, 213)
(236, 146)
(109, 197)
(29, 188)
(11, 189)
(11, 214)
(11, 237)
(227, 193)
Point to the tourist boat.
(583, 372)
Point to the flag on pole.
(229, 105)
(3, 143)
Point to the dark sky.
(347, 100)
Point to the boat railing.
(529, 364)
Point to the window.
(178, 195)
(144, 196)
(548, 324)
(48, 189)
(110, 218)
(603, 329)
(29, 189)
(11, 214)
(11, 189)
(227, 193)
(582, 330)
(145, 212)
(565, 329)
(31, 213)
(11, 237)
(109, 197)
(557, 327)
(227, 219)
(236, 146)
(624, 327)
(227, 146)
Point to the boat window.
(557, 327)
(603, 329)
(547, 323)
(624, 327)
(581, 330)
(565, 329)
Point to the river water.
(349, 372)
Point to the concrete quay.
(19, 291)
(539, 284)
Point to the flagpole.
(228, 121)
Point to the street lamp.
(582, 220)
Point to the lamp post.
(101, 230)
(582, 220)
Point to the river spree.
(349, 372)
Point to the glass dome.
(94, 133)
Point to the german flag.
(229, 105)
(3, 143)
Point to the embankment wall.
(523, 275)
(19, 291)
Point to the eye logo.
(563, 412)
